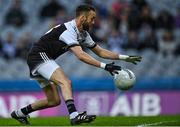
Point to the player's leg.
(52, 99)
(51, 71)
(60, 78)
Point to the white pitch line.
(157, 123)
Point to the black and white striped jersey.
(58, 40)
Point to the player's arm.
(104, 53)
(83, 56)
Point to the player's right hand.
(133, 59)
(112, 69)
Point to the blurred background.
(149, 28)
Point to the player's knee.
(54, 102)
(68, 82)
(57, 102)
(64, 82)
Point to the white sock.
(73, 115)
(19, 113)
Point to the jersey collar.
(75, 26)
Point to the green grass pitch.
(101, 121)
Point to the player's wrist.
(102, 65)
(123, 57)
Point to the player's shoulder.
(71, 26)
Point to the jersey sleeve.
(89, 43)
(69, 38)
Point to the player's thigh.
(50, 90)
(47, 69)
(59, 76)
(53, 72)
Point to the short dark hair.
(84, 8)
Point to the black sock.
(26, 110)
(70, 106)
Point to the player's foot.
(22, 120)
(83, 118)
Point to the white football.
(125, 79)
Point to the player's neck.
(79, 25)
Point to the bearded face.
(88, 20)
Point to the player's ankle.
(26, 110)
(71, 108)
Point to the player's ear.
(82, 18)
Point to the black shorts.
(34, 60)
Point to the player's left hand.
(112, 69)
(133, 59)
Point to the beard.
(85, 26)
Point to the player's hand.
(133, 59)
(112, 69)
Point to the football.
(125, 79)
